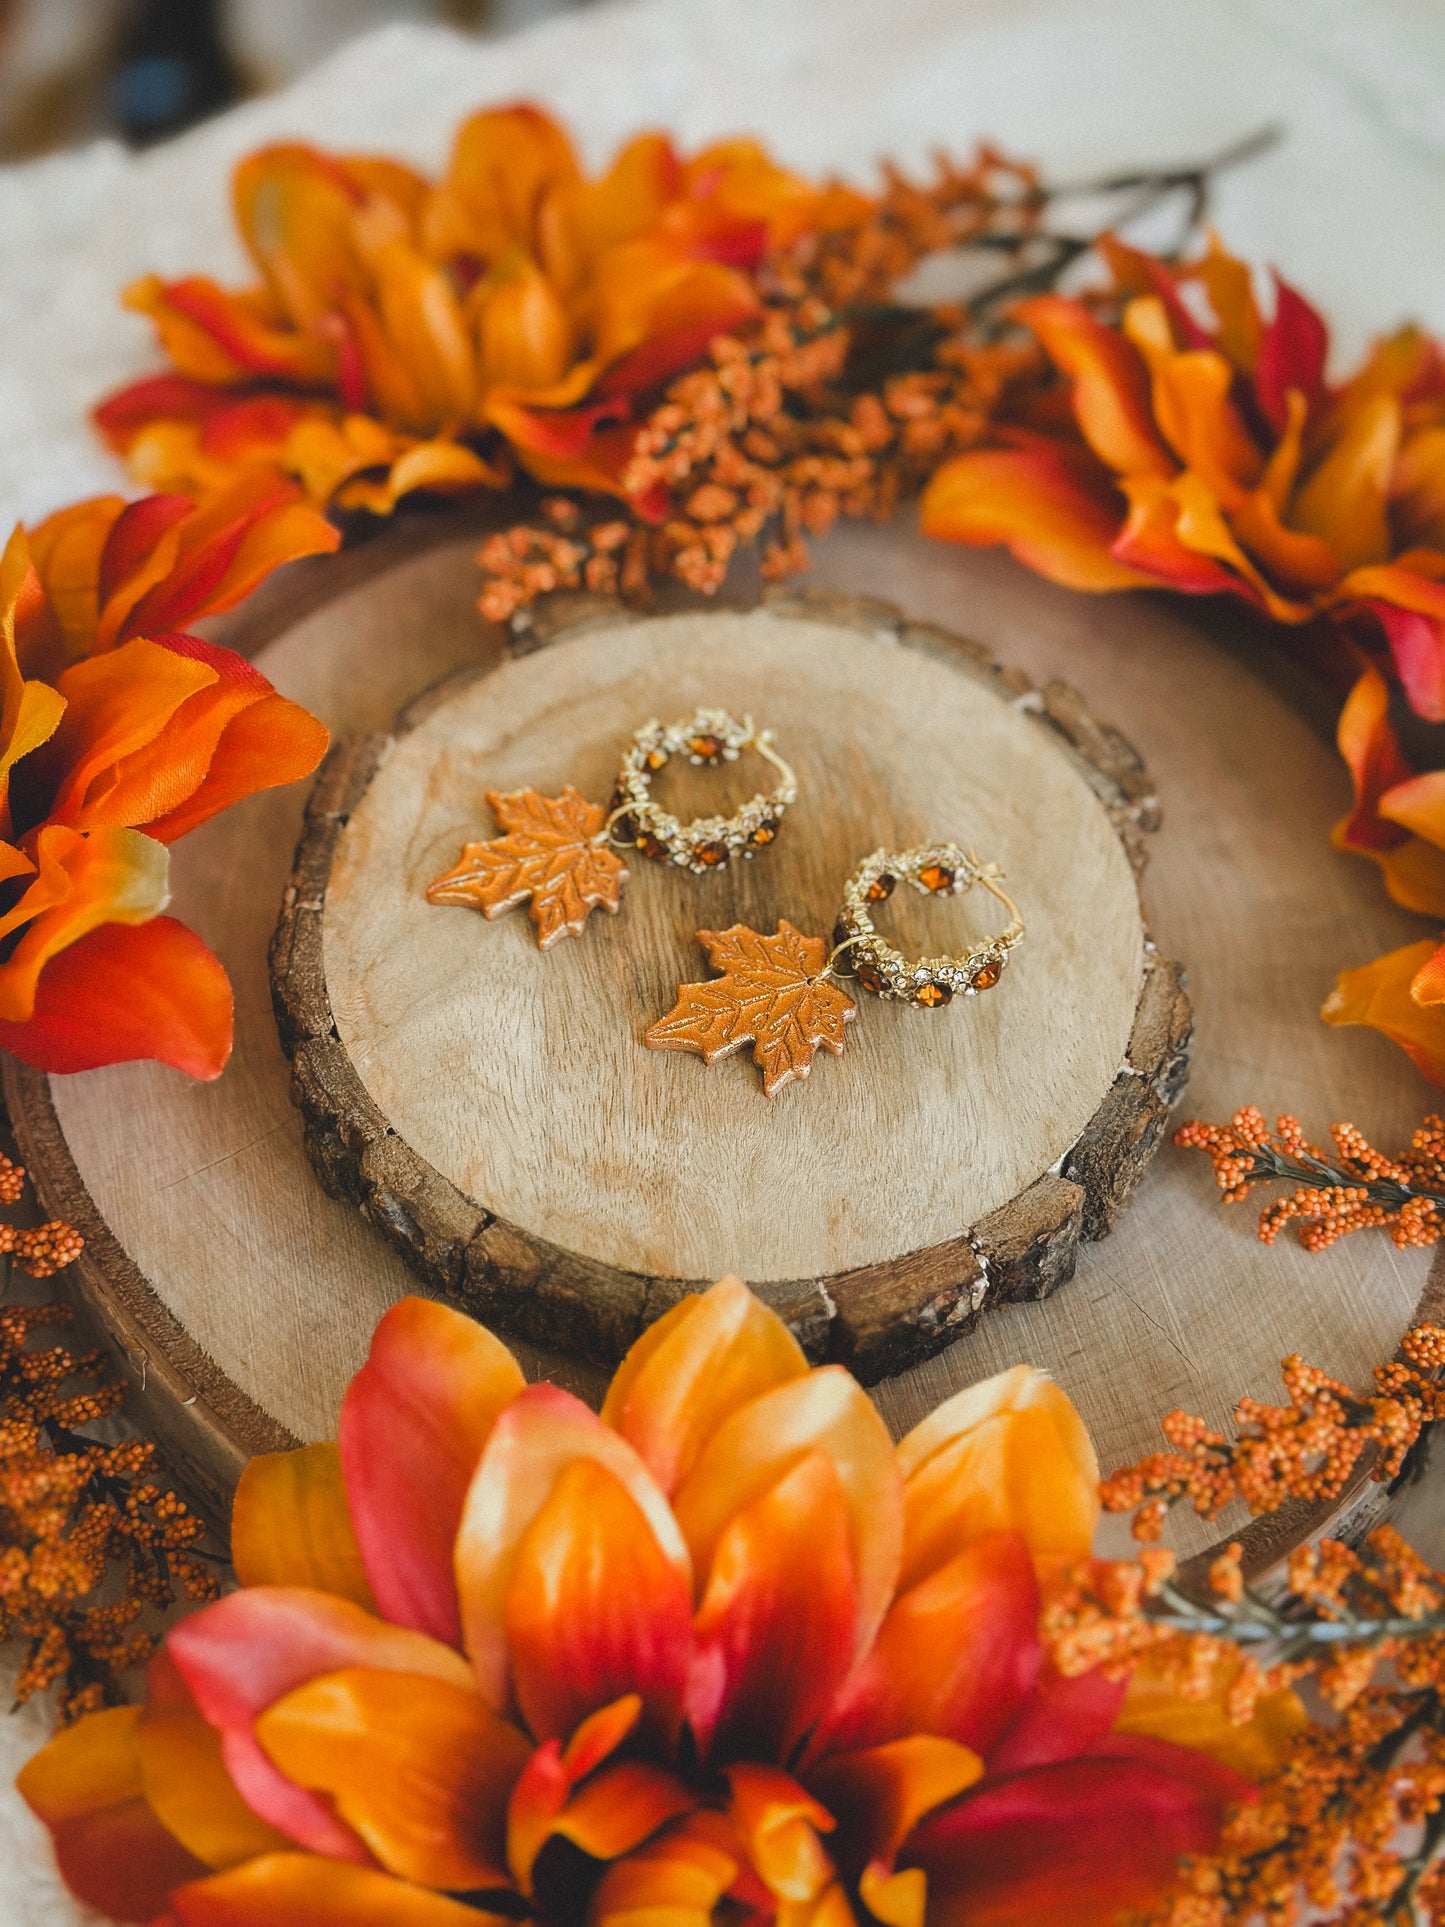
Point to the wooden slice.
(241, 1297)
(491, 1108)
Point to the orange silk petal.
(100, 760)
(1111, 384)
(302, 1890)
(880, 1795)
(112, 1851)
(595, 1609)
(827, 1411)
(1375, 761)
(66, 549)
(215, 337)
(535, 1439)
(1417, 804)
(503, 162)
(553, 1772)
(778, 1823)
(1154, 1706)
(1052, 506)
(420, 1768)
(1379, 994)
(415, 1419)
(676, 1880)
(524, 333)
(1344, 499)
(657, 312)
(1230, 287)
(1009, 1455)
(958, 1655)
(620, 1807)
(775, 1634)
(124, 992)
(290, 1525)
(425, 326)
(190, 1791)
(110, 876)
(699, 1363)
(629, 198)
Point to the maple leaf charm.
(771, 994)
(549, 853)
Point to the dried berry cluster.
(90, 1535)
(1356, 1188)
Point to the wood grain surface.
(206, 1189)
(491, 1109)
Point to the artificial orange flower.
(118, 734)
(1209, 453)
(405, 332)
(721, 1648)
(1398, 820)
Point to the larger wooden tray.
(242, 1296)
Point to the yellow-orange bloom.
(405, 333)
(1209, 453)
(720, 1648)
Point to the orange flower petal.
(1410, 607)
(827, 1411)
(1062, 1718)
(290, 1525)
(1190, 399)
(621, 1807)
(657, 312)
(775, 1635)
(1230, 287)
(117, 706)
(503, 162)
(778, 1823)
(703, 1360)
(958, 1656)
(1111, 384)
(249, 1650)
(190, 1792)
(553, 1772)
(125, 992)
(415, 1419)
(421, 1768)
(1149, 540)
(300, 1890)
(676, 1880)
(1074, 1844)
(1344, 498)
(595, 1609)
(112, 1851)
(879, 1796)
(524, 333)
(629, 198)
(1053, 507)
(212, 336)
(1376, 763)
(1009, 1455)
(540, 1434)
(1379, 994)
(1155, 1707)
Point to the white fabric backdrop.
(1349, 206)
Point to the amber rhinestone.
(765, 832)
(707, 749)
(871, 977)
(713, 855)
(652, 846)
(656, 758)
(986, 978)
(841, 933)
(932, 994)
(880, 887)
(934, 877)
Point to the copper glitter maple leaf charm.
(551, 852)
(772, 994)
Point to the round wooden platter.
(491, 1107)
(240, 1297)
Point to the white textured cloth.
(1348, 205)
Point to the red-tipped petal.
(1292, 353)
(1073, 1844)
(958, 1655)
(879, 1796)
(414, 1420)
(541, 1433)
(595, 1609)
(775, 1633)
(243, 1654)
(1111, 384)
(1375, 761)
(1417, 643)
(127, 991)
(1060, 1719)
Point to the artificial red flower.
(404, 334)
(1208, 453)
(721, 1652)
(117, 735)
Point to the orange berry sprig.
(92, 1540)
(1354, 1189)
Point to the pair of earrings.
(779, 993)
